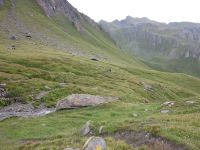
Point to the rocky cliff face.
(174, 40)
(1, 3)
(157, 43)
(64, 8)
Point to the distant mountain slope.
(59, 25)
(170, 47)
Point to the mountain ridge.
(153, 40)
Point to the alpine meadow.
(70, 83)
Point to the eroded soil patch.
(147, 140)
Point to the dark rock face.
(1, 3)
(64, 8)
(143, 37)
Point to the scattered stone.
(170, 104)
(28, 35)
(72, 149)
(190, 102)
(94, 59)
(83, 100)
(3, 93)
(109, 70)
(13, 37)
(146, 86)
(46, 87)
(101, 129)
(146, 110)
(85, 130)
(95, 143)
(23, 110)
(41, 95)
(135, 115)
(44, 125)
(62, 84)
(147, 135)
(164, 111)
(18, 107)
(13, 47)
(2, 85)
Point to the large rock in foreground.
(83, 100)
(95, 143)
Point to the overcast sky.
(159, 10)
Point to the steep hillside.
(80, 36)
(170, 47)
(48, 51)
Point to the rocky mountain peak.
(64, 8)
(177, 41)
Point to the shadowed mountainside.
(171, 47)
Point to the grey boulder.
(85, 130)
(95, 143)
(146, 86)
(164, 111)
(83, 100)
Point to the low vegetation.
(36, 66)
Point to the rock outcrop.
(142, 35)
(95, 143)
(1, 3)
(83, 100)
(64, 8)
(85, 130)
(23, 110)
(162, 46)
(3, 93)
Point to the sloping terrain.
(53, 52)
(173, 47)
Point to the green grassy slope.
(37, 63)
